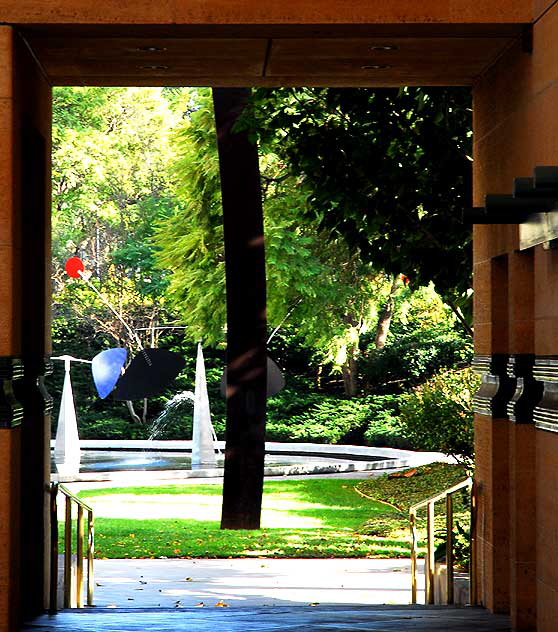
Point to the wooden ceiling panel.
(79, 58)
(87, 59)
(403, 59)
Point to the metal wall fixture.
(383, 47)
(154, 67)
(533, 205)
(151, 49)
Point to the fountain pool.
(111, 460)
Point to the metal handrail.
(82, 508)
(429, 560)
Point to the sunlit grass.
(304, 518)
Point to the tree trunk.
(135, 417)
(384, 320)
(246, 314)
(350, 375)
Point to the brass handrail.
(429, 559)
(82, 507)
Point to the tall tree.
(331, 295)
(111, 183)
(387, 170)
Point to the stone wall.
(516, 315)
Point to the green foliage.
(438, 415)
(389, 170)
(383, 423)
(93, 427)
(120, 194)
(412, 357)
(461, 545)
(111, 182)
(298, 413)
(328, 291)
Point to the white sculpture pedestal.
(203, 450)
(67, 454)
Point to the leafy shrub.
(438, 415)
(461, 545)
(112, 428)
(412, 358)
(327, 419)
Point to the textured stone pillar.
(492, 430)
(32, 132)
(522, 453)
(10, 349)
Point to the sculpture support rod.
(246, 314)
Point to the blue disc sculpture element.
(107, 369)
(149, 374)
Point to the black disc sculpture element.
(149, 374)
(275, 379)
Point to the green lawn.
(300, 518)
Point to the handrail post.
(90, 555)
(413, 522)
(430, 553)
(429, 562)
(68, 554)
(449, 549)
(53, 596)
(68, 546)
(79, 555)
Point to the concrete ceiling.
(377, 55)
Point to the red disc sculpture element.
(74, 266)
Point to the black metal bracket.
(11, 410)
(531, 196)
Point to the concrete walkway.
(252, 582)
(280, 619)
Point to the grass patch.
(404, 492)
(314, 518)
(306, 518)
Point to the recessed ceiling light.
(151, 49)
(154, 67)
(383, 47)
(376, 67)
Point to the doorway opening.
(118, 200)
